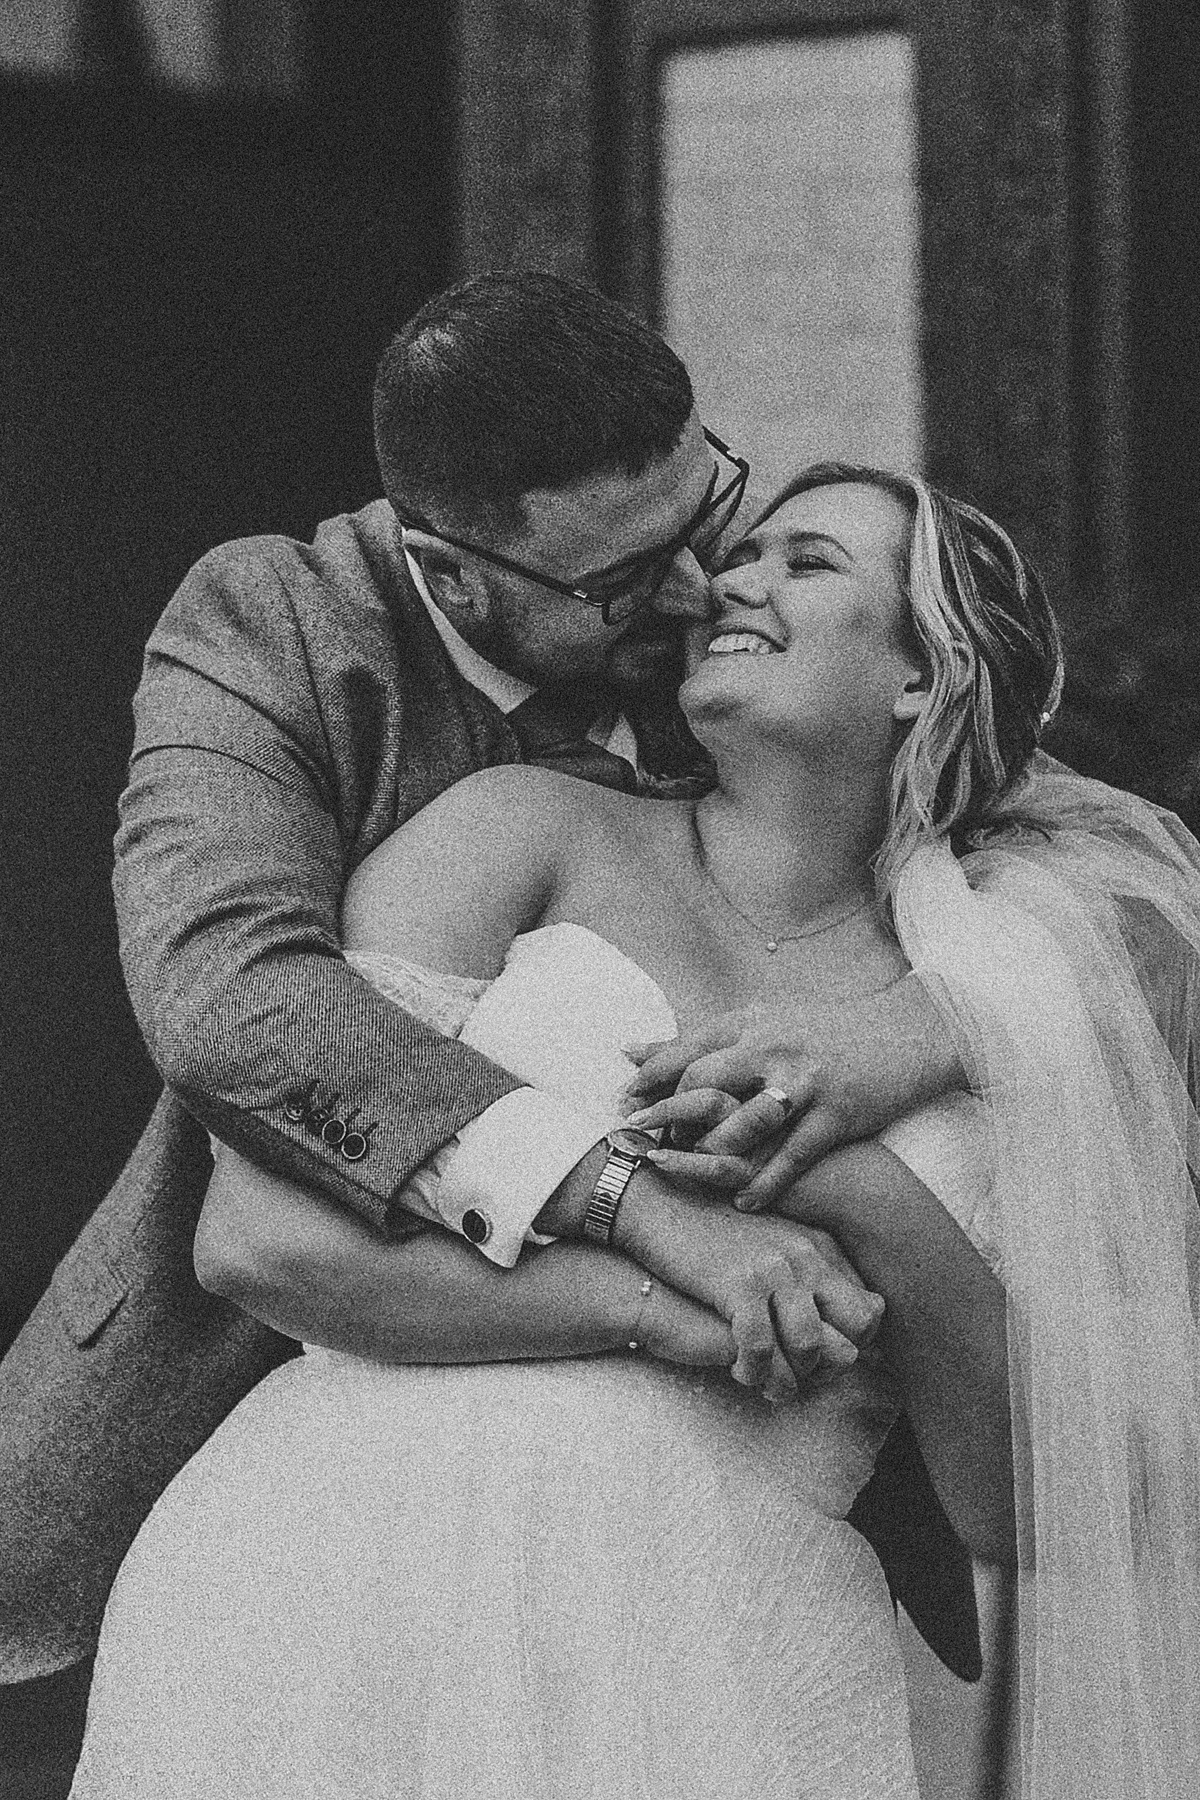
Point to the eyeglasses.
(632, 584)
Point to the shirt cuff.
(490, 1182)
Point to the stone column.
(526, 111)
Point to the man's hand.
(844, 1071)
(792, 1301)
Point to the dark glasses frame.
(643, 574)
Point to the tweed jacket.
(296, 706)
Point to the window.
(788, 243)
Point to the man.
(524, 593)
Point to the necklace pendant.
(772, 946)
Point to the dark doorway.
(193, 294)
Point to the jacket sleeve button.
(353, 1146)
(333, 1132)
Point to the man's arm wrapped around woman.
(282, 729)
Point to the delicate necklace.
(773, 940)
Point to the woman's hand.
(780, 1294)
(714, 1143)
(777, 1089)
(793, 1305)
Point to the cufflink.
(476, 1226)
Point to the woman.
(611, 1577)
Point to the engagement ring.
(781, 1099)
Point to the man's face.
(575, 534)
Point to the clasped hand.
(796, 1308)
(847, 1070)
(793, 1305)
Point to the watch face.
(632, 1142)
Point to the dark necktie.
(671, 764)
(554, 735)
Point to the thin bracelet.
(645, 1290)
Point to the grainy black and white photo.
(588, 1219)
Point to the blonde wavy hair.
(986, 633)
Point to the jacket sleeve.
(231, 858)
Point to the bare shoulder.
(523, 794)
(511, 810)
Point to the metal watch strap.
(608, 1193)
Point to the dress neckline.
(473, 987)
(615, 954)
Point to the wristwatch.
(627, 1150)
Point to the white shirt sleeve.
(489, 1182)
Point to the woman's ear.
(913, 697)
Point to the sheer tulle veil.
(1064, 951)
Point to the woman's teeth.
(733, 643)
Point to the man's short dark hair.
(518, 381)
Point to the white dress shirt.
(504, 1165)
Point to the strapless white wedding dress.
(595, 1579)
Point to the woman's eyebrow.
(804, 540)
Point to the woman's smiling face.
(813, 638)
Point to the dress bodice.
(567, 1003)
(558, 1016)
(606, 1576)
